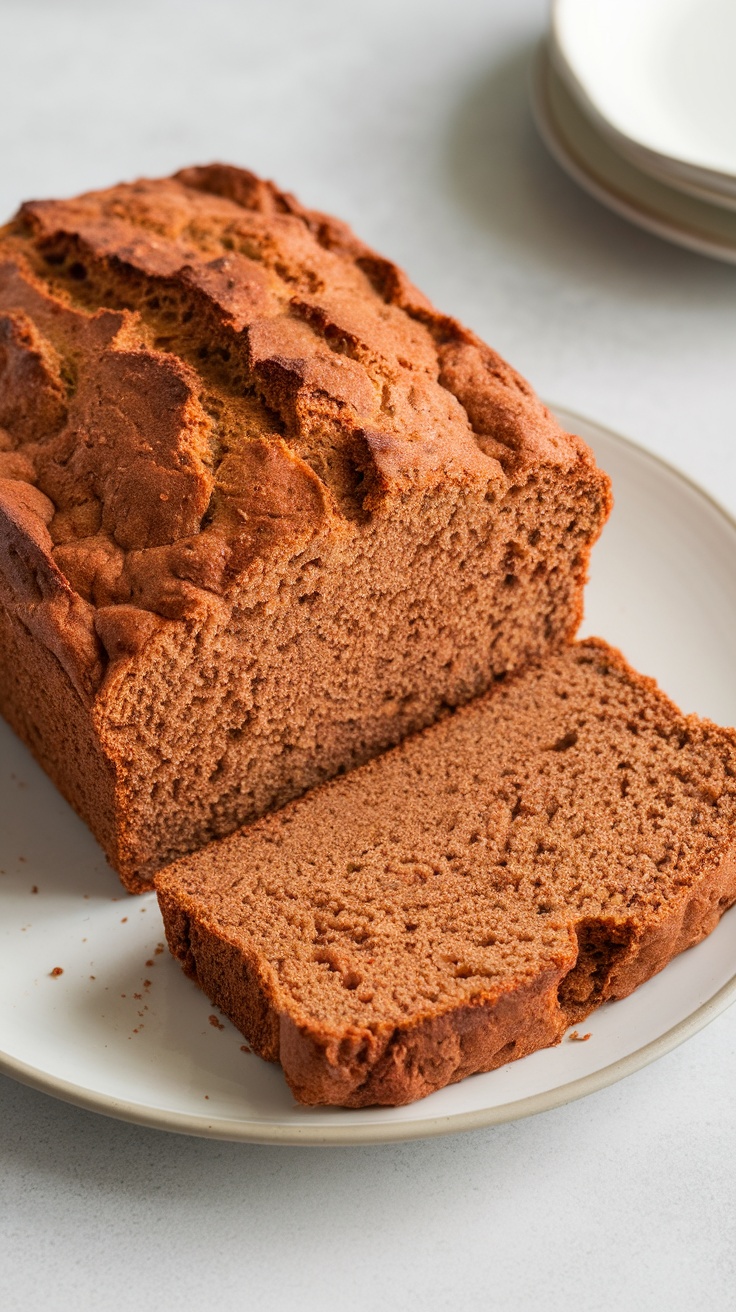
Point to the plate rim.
(595, 183)
(355, 1134)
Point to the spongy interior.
(360, 641)
(358, 621)
(547, 823)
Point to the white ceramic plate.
(658, 76)
(593, 163)
(123, 1032)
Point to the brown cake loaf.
(464, 898)
(263, 511)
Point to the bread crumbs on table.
(146, 983)
(215, 1023)
(58, 970)
(159, 949)
(580, 1038)
(124, 920)
(244, 1048)
(34, 888)
(150, 963)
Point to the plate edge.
(456, 1123)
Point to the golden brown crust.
(339, 354)
(209, 393)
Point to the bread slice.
(263, 510)
(460, 901)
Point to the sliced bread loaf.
(263, 510)
(461, 900)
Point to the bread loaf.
(263, 510)
(461, 900)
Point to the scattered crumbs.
(93, 977)
(244, 1047)
(135, 1031)
(216, 1024)
(140, 1013)
(150, 962)
(123, 995)
(86, 896)
(146, 983)
(56, 972)
(124, 920)
(114, 899)
(138, 997)
(579, 1038)
(34, 889)
(159, 949)
(22, 858)
(207, 1096)
(142, 909)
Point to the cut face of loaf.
(460, 901)
(263, 511)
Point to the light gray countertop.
(408, 118)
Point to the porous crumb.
(472, 894)
(347, 516)
(57, 970)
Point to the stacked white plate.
(636, 99)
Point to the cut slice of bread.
(459, 901)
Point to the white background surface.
(408, 118)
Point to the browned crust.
(371, 408)
(132, 506)
(41, 704)
(399, 1065)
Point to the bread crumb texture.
(463, 899)
(263, 510)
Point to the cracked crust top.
(196, 375)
